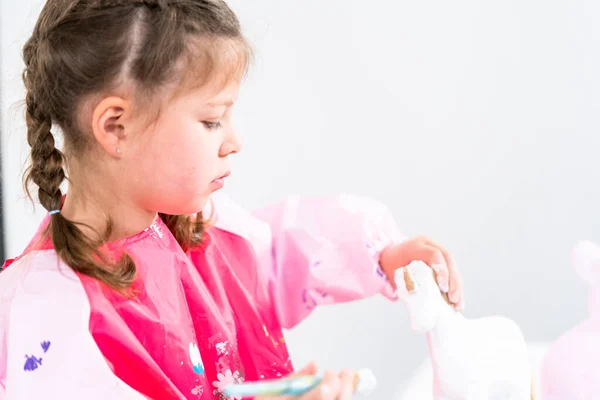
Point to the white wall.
(16, 22)
(475, 121)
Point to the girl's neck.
(94, 210)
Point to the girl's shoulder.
(38, 273)
(46, 346)
(41, 301)
(38, 290)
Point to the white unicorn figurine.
(482, 359)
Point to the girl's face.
(174, 165)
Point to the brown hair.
(84, 48)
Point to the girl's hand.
(334, 386)
(424, 249)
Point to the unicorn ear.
(409, 281)
(404, 281)
(399, 280)
(586, 261)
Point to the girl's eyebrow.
(227, 103)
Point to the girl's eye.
(211, 125)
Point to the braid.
(47, 173)
(46, 169)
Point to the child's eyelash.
(210, 125)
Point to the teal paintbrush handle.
(296, 387)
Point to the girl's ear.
(109, 125)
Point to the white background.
(476, 122)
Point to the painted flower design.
(32, 362)
(221, 348)
(155, 230)
(45, 346)
(197, 391)
(225, 379)
(196, 359)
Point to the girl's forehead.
(215, 64)
(226, 97)
(216, 93)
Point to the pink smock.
(202, 319)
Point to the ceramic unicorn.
(480, 359)
(571, 367)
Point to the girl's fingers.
(327, 390)
(455, 286)
(346, 385)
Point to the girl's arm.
(326, 250)
(315, 250)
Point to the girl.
(136, 285)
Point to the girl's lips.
(220, 182)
